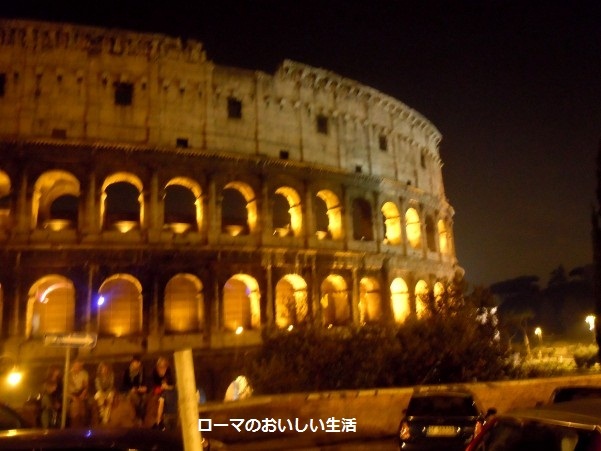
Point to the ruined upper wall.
(62, 81)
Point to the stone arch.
(334, 301)
(438, 291)
(363, 226)
(290, 220)
(122, 202)
(430, 233)
(421, 298)
(443, 237)
(5, 199)
(370, 300)
(183, 204)
(399, 299)
(184, 304)
(413, 228)
(392, 223)
(238, 209)
(55, 199)
(50, 306)
(333, 212)
(241, 303)
(291, 306)
(121, 312)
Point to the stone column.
(23, 216)
(355, 294)
(213, 209)
(16, 320)
(269, 305)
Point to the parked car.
(10, 419)
(572, 393)
(566, 426)
(440, 419)
(104, 439)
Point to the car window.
(529, 436)
(442, 405)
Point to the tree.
(458, 340)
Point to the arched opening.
(333, 218)
(121, 312)
(430, 234)
(399, 298)
(421, 298)
(363, 228)
(184, 304)
(413, 228)
(443, 237)
(392, 223)
(182, 205)
(55, 201)
(335, 302)
(241, 303)
(238, 209)
(291, 305)
(5, 200)
(50, 306)
(370, 302)
(287, 212)
(122, 203)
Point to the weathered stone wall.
(377, 412)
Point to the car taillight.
(405, 432)
(477, 428)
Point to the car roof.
(125, 437)
(584, 413)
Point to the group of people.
(151, 402)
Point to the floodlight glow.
(239, 330)
(590, 320)
(100, 301)
(14, 377)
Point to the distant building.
(164, 201)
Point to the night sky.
(513, 86)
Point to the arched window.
(287, 212)
(55, 201)
(122, 202)
(183, 205)
(392, 223)
(370, 303)
(438, 293)
(121, 312)
(238, 209)
(363, 228)
(335, 302)
(184, 304)
(291, 305)
(50, 306)
(399, 294)
(443, 237)
(421, 298)
(333, 212)
(241, 303)
(413, 227)
(4, 199)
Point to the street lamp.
(590, 320)
(539, 333)
(14, 376)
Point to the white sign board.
(73, 340)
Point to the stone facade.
(161, 200)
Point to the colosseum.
(162, 201)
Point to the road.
(308, 444)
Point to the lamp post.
(539, 333)
(590, 320)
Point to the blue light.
(100, 301)
(89, 433)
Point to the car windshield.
(531, 435)
(440, 405)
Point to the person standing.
(77, 389)
(134, 384)
(105, 391)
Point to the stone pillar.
(355, 295)
(16, 320)
(309, 214)
(315, 294)
(23, 217)
(156, 327)
(269, 305)
(213, 209)
(92, 269)
(92, 212)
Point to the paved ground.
(307, 444)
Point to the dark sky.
(513, 86)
